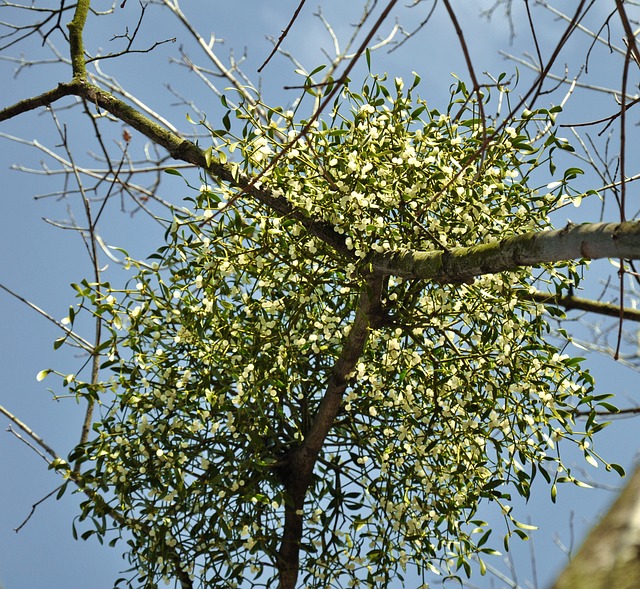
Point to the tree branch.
(183, 150)
(64, 469)
(27, 430)
(297, 472)
(580, 304)
(76, 45)
(284, 33)
(45, 99)
(586, 241)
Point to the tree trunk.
(610, 555)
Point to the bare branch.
(285, 32)
(130, 40)
(27, 430)
(470, 68)
(571, 302)
(34, 507)
(83, 343)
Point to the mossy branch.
(180, 149)
(588, 241)
(76, 44)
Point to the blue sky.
(39, 261)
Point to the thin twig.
(336, 89)
(28, 443)
(285, 32)
(34, 507)
(83, 343)
(470, 68)
(27, 430)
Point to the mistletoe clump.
(229, 341)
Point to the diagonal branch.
(64, 469)
(27, 430)
(80, 341)
(632, 46)
(285, 32)
(297, 472)
(183, 150)
(353, 348)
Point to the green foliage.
(224, 341)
